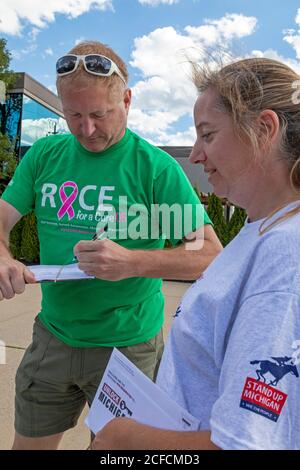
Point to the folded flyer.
(125, 391)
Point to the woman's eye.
(207, 136)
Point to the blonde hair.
(82, 79)
(249, 86)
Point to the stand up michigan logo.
(260, 395)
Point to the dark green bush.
(29, 243)
(23, 240)
(225, 230)
(15, 239)
(215, 212)
(236, 222)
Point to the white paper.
(49, 272)
(125, 391)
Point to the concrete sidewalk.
(16, 319)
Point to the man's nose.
(87, 127)
(197, 155)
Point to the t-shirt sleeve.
(20, 190)
(258, 404)
(173, 192)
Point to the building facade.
(30, 111)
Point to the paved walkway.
(16, 318)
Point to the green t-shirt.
(69, 187)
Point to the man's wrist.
(4, 250)
(136, 263)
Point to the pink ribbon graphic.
(67, 201)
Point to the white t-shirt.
(232, 354)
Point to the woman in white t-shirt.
(232, 354)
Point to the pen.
(96, 235)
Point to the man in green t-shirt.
(104, 179)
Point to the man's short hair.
(80, 78)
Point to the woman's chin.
(218, 192)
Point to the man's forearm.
(161, 439)
(128, 434)
(174, 263)
(4, 247)
(9, 216)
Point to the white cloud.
(15, 13)
(33, 33)
(78, 40)
(272, 54)
(165, 93)
(154, 3)
(294, 40)
(231, 26)
(293, 37)
(33, 129)
(49, 51)
(184, 138)
(23, 53)
(153, 122)
(52, 88)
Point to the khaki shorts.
(54, 381)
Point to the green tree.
(216, 213)
(15, 239)
(30, 242)
(236, 222)
(7, 80)
(6, 75)
(7, 158)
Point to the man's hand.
(105, 259)
(13, 277)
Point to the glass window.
(10, 116)
(37, 122)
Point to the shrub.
(236, 222)
(15, 239)
(225, 230)
(215, 212)
(30, 244)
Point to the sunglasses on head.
(95, 64)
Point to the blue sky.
(154, 37)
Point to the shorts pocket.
(23, 382)
(151, 344)
(155, 343)
(34, 355)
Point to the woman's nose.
(197, 155)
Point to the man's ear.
(127, 98)
(269, 128)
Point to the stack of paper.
(49, 272)
(125, 391)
